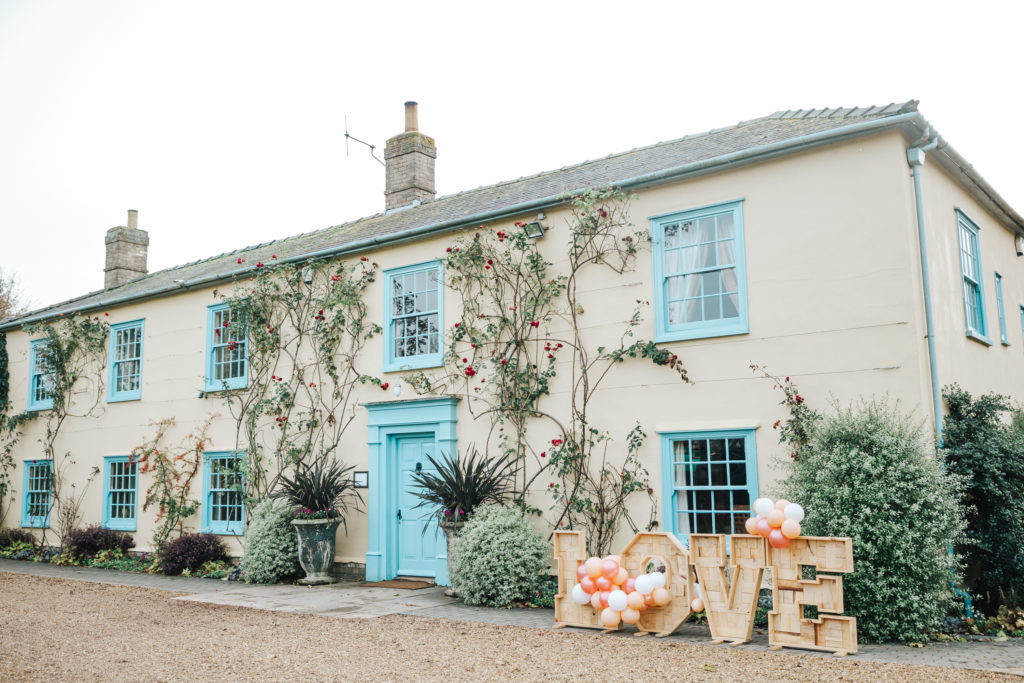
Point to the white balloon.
(697, 605)
(795, 512)
(700, 591)
(617, 600)
(644, 584)
(762, 506)
(578, 596)
(658, 578)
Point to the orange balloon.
(593, 566)
(603, 596)
(777, 539)
(634, 600)
(603, 584)
(775, 518)
(595, 600)
(587, 584)
(661, 596)
(751, 525)
(621, 577)
(609, 569)
(613, 558)
(781, 504)
(610, 618)
(630, 616)
(649, 600)
(790, 528)
(629, 586)
(763, 528)
(581, 571)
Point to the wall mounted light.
(1020, 245)
(535, 230)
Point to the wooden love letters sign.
(729, 587)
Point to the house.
(855, 251)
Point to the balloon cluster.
(778, 521)
(607, 586)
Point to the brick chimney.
(409, 158)
(127, 248)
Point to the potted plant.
(459, 485)
(321, 493)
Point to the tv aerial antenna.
(361, 142)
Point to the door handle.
(399, 515)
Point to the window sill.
(705, 332)
(222, 389)
(26, 524)
(980, 338)
(38, 408)
(122, 399)
(221, 532)
(120, 527)
(434, 360)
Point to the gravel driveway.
(55, 629)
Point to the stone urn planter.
(316, 549)
(451, 533)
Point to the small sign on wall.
(361, 480)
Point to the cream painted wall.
(978, 367)
(834, 303)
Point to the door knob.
(419, 467)
(399, 515)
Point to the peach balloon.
(781, 504)
(661, 596)
(777, 539)
(751, 525)
(602, 583)
(581, 571)
(593, 566)
(595, 600)
(649, 600)
(610, 618)
(775, 518)
(629, 586)
(697, 605)
(587, 584)
(790, 528)
(634, 600)
(763, 528)
(621, 577)
(610, 568)
(604, 597)
(613, 558)
(630, 616)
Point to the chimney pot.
(133, 219)
(411, 123)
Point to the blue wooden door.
(419, 540)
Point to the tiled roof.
(744, 140)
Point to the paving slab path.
(357, 601)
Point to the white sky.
(223, 122)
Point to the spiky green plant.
(461, 484)
(322, 489)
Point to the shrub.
(499, 558)
(867, 473)
(271, 547)
(191, 551)
(92, 539)
(11, 536)
(989, 454)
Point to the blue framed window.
(120, 492)
(227, 360)
(1001, 310)
(700, 279)
(125, 362)
(38, 481)
(223, 491)
(414, 327)
(970, 270)
(41, 377)
(709, 481)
